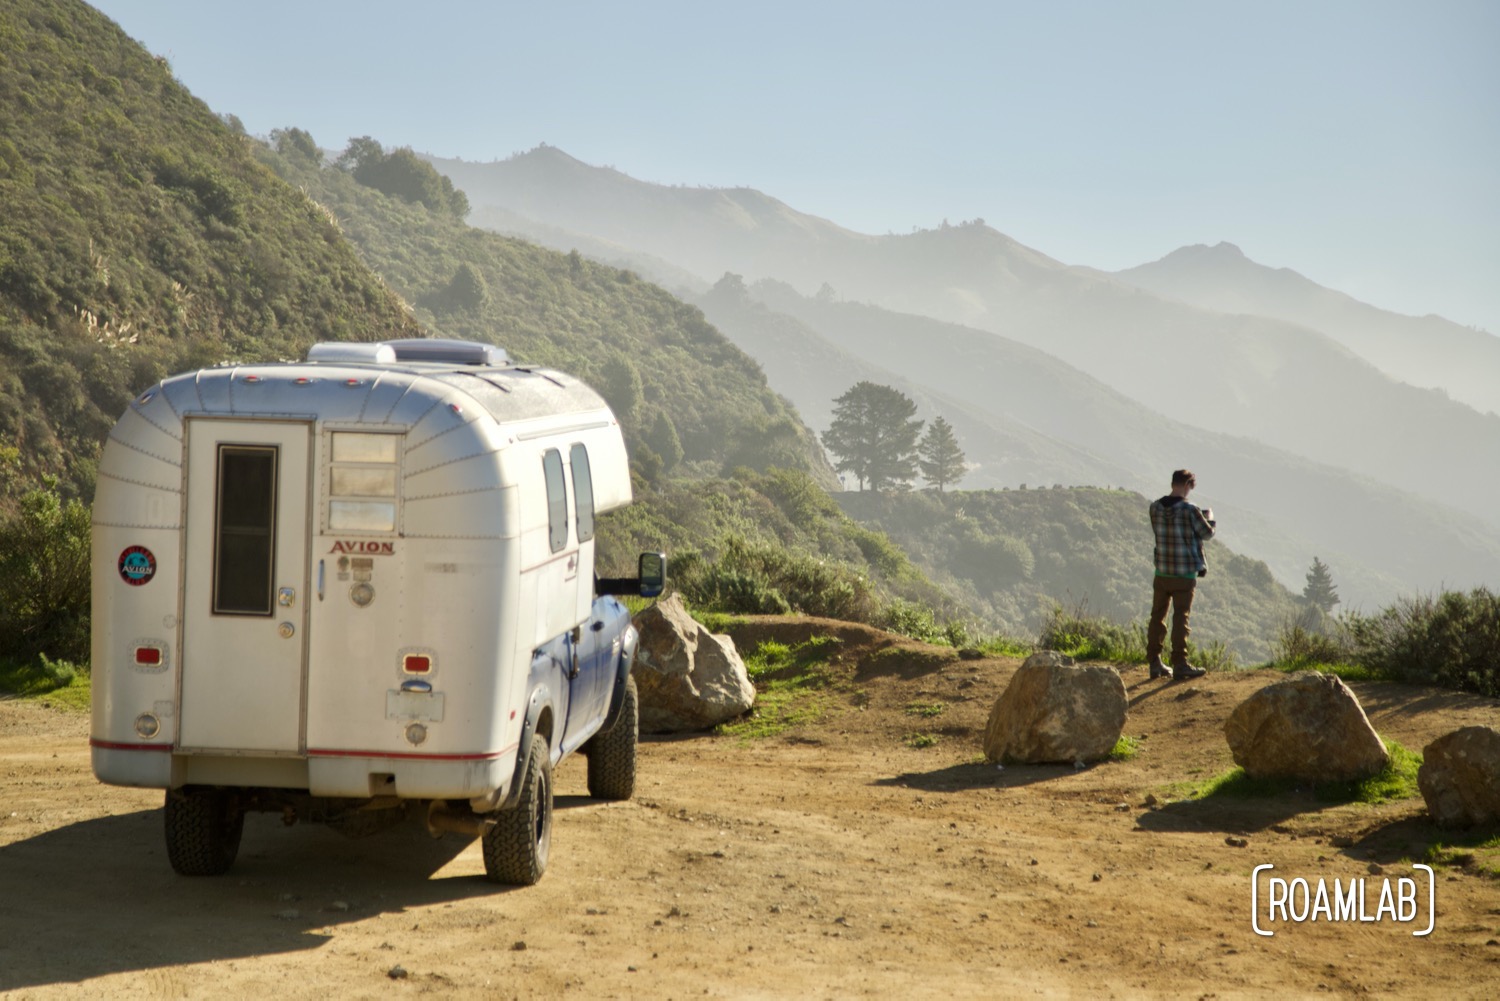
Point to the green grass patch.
(1398, 780)
(927, 710)
(922, 740)
(1479, 853)
(791, 683)
(717, 622)
(1348, 672)
(1005, 646)
(56, 681)
(1125, 748)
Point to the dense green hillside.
(691, 402)
(1013, 551)
(139, 235)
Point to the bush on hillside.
(44, 579)
(1451, 640)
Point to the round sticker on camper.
(137, 565)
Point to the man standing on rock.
(1181, 529)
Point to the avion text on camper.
(364, 547)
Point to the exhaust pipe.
(443, 818)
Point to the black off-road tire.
(517, 844)
(611, 753)
(203, 828)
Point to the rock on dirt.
(1308, 727)
(1054, 710)
(688, 678)
(1460, 777)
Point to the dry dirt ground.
(831, 860)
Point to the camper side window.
(362, 482)
(583, 492)
(557, 498)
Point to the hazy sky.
(1354, 141)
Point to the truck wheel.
(203, 831)
(516, 845)
(612, 754)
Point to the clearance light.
(416, 663)
(302, 380)
(252, 378)
(148, 656)
(354, 382)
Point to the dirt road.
(829, 861)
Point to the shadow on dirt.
(957, 778)
(1384, 698)
(102, 893)
(1227, 814)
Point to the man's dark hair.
(1181, 476)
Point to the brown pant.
(1178, 591)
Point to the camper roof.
(434, 350)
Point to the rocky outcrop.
(1460, 777)
(1054, 710)
(1309, 727)
(687, 677)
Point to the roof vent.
(448, 352)
(349, 351)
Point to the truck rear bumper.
(355, 774)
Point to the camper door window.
(245, 530)
(362, 482)
(557, 499)
(583, 492)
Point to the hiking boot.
(1182, 671)
(1158, 669)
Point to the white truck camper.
(361, 585)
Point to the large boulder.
(1460, 777)
(1054, 710)
(1309, 727)
(687, 677)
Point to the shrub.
(44, 579)
(1451, 640)
(910, 619)
(1299, 646)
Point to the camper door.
(244, 601)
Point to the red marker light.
(148, 656)
(416, 663)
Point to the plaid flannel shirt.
(1180, 531)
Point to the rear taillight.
(416, 663)
(148, 656)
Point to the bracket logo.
(137, 565)
(1297, 901)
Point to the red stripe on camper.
(110, 745)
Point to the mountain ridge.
(1427, 351)
(1283, 383)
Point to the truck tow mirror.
(652, 571)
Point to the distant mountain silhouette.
(1025, 417)
(1426, 351)
(1198, 374)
